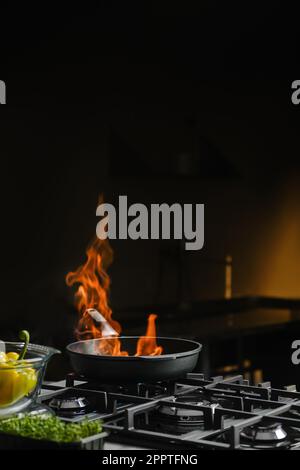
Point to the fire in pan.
(102, 352)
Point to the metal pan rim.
(197, 347)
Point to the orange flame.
(147, 345)
(93, 291)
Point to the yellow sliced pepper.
(15, 382)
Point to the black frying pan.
(179, 357)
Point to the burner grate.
(193, 412)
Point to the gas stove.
(191, 413)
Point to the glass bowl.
(21, 380)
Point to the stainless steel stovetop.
(192, 413)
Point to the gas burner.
(214, 401)
(265, 436)
(179, 420)
(181, 414)
(196, 400)
(70, 406)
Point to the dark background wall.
(57, 167)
